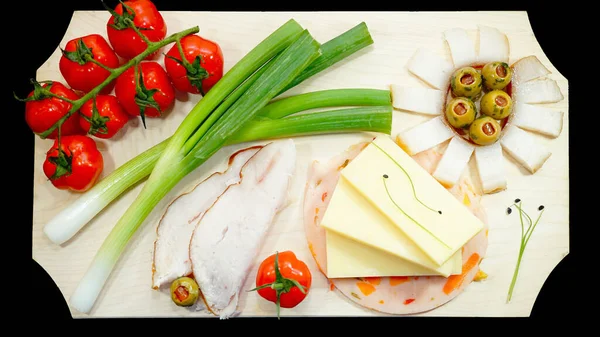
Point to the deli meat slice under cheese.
(229, 235)
(171, 255)
(396, 294)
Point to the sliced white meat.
(430, 68)
(538, 119)
(395, 295)
(417, 99)
(527, 69)
(229, 235)
(461, 47)
(543, 90)
(171, 254)
(524, 148)
(424, 136)
(453, 163)
(493, 45)
(490, 166)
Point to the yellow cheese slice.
(412, 199)
(350, 258)
(351, 215)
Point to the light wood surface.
(397, 35)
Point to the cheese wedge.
(412, 199)
(350, 215)
(350, 258)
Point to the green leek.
(325, 98)
(298, 52)
(70, 220)
(375, 119)
(336, 50)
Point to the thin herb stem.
(412, 185)
(408, 216)
(525, 236)
(152, 47)
(535, 224)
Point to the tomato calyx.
(194, 71)
(144, 97)
(281, 285)
(122, 21)
(125, 20)
(97, 121)
(82, 53)
(63, 163)
(40, 92)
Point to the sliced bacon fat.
(393, 295)
(229, 235)
(171, 256)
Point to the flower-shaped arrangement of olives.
(486, 87)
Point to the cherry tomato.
(81, 73)
(282, 287)
(76, 166)
(103, 117)
(127, 43)
(152, 102)
(202, 68)
(41, 114)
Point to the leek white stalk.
(298, 52)
(71, 219)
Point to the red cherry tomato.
(41, 114)
(76, 166)
(202, 68)
(104, 119)
(153, 102)
(283, 288)
(126, 42)
(81, 73)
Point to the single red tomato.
(81, 73)
(202, 67)
(148, 97)
(280, 277)
(103, 117)
(76, 166)
(43, 113)
(144, 15)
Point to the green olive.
(484, 130)
(496, 75)
(460, 112)
(184, 291)
(466, 82)
(496, 104)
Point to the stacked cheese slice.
(390, 217)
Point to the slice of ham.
(394, 295)
(174, 231)
(229, 235)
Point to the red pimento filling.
(182, 293)
(467, 79)
(460, 109)
(488, 129)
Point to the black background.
(40, 29)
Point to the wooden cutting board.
(397, 35)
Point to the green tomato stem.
(152, 47)
(98, 63)
(137, 30)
